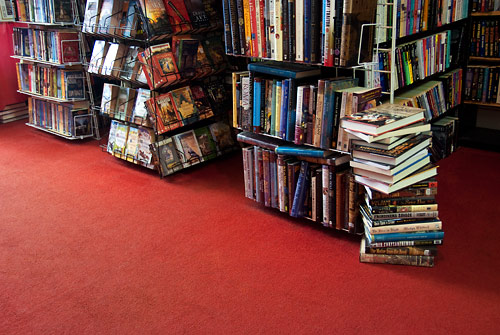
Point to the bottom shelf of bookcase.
(50, 131)
(481, 138)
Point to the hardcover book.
(157, 22)
(206, 143)
(383, 118)
(168, 156)
(188, 143)
(184, 104)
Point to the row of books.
(160, 65)
(180, 107)
(46, 11)
(51, 82)
(414, 16)
(68, 119)
(321, 190)
(162, 18)
(485, 38)
(131, 143)
(310, 31)
(417, 60)
(444, 137)
(481, 84)
(14, 112)
(303, 114)
(193, 147)
(56, 46)
(402, 227)
(436, 96)
(483, 6)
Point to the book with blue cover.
(286, 70)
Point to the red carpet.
(90, 244)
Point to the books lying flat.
(424, 173)
(381, 119)
(396, 155)
(391, 136)
(287, 70)
(396, 174)
(415, 260)
(388, 170)
(405, 228)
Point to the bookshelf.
(50, 69)
(161, 69)
(482, 73)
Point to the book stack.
(392, 150)
(391, 160)
(14, 112)
(402, 227)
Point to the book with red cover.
(68, 47)
(167, 117)
(178, 15)
(158, 63)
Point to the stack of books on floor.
(401, 227)
(390, 151)
(14, 112)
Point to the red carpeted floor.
(90, 244)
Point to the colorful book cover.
(132, 146)
(144, 154)
(158, 23)
(178, 15)
(168, 156)
(190, 148)
(206, 143)
(184, 104)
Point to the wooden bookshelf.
(479, 103)
(484, 59)
(485, 14)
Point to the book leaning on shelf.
(401, 227)
(7, 11)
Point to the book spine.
(404, 208)
(425, 261)
(274, 179)
(403, 201)
(263, 36)
(410, 250)
(298, 151)
(436, 235)
(299, 31)
(292, 102)
(248, 28)
(307, 31)
(311, 114)
(266, 173)
(241, 26)
(285, 32)
(405, 228)
(278, 30)
(340, 199)
(353, 203)
(293, 169)
(419, 243)
(300, 190)
(235, 32)
(272, 28)
(319, 113)
(256, 105)
(246, 105)
(416, 215)
(253, 26)
(298, 118)
(282, 183)
(285, 91)
(315, 25)
(325, 181)
(291, 30)
(247, 171)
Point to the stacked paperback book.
(390, 151)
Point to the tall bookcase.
(162, 80)
(481, 128)
(50, 69)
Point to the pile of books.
(402, 227)
(14, 112)
(390, 150)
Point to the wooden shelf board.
(480, 14)
(478, 103)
